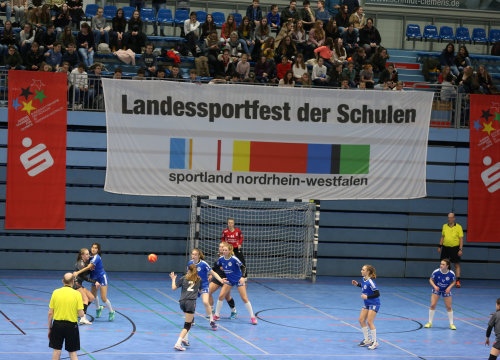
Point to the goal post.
(280, 238)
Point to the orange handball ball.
(152, 258)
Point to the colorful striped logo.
(181, 153)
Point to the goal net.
(278, 236)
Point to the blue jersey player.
(98, 274)
(232, 268)
(442, 280)
(198, 259)
(371, 297)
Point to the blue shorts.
(373, 307)
(103, 280)
(235, 283)
(441, 293)
(203, 290)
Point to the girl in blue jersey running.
(198, 259)
(232, 268)
(371, 297)
(97, 273)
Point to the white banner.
(182, 139)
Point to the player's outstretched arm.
(213, 273)
(354, 282)
(173, 277)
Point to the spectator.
(234, 46)
(332, 6)
(462, 59)
(46, 17)
(369, 37)
(352, 5)
(139, 75)
(254, 13)
(85, 44)
(8, 38)
(225, 66)
(192, 34)
(35, 17)
(246, 36)
(62, 19)
(317, 35)
(299, 67)
(287, 80)
(227, 28)
(305, 81)
(486, 81)
(350, 40)
(335, 76)
(331, 29)
(495, 49)
(45, 67)
(447, 57)
(64, 68)
(366, 76)
(5, 6)
(20, 7)
(283, 67)
(212, 50)
(193, 77)
(448, 91)
(345, 84)
(53, 57)
(300, 40)
(64, 308)
(267, 49)
(358, 19)
(80, 86)
(71, 56)
(265, 71)
(96, 92)
(319, 74)
(389, 74)
(321, 13)
(76, 11)
(46, 39)
(208, 27)
(273, 19)
(325, 52)
(262, 32)
(137, 4)
(306, 15)
(339, 53)
(342, 18)
(160, 74)
(118, 27)
(134, 38)
(99, 27)
(148, 61)
(445, 70)
(118, 73)
(287, 48)
(468, 84)
(243, 68)
(290, 12)
(67, 37)
(157, 5)
(350, 73)
(379, 59)
(26, 37)
(175, 73)
(33, 58)
(360, 59)
(287, 29)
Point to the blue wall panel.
(363, 251)
(362, 235)
(391, 221)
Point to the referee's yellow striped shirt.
(452, 235)
(66, 302)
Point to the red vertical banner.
(484, 169)
(36, 150)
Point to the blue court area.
(297, 320)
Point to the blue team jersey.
(368, 287)
(231, 268)
(98, 271)
(203, 270)
(441, 280)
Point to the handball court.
(297, 320)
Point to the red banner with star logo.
(36, 150)
(484, 169)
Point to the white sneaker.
(84, 321)
(373, 346)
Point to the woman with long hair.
(485, 80)
(8, 38)
(287, 80)
(208, 27)
(85, 43)
(262, 33)
(299, 67)
(246, 36)
(227, 28)
(118, 27)
(462, 58)
(317, 35)
(287, 48)
(82, 260)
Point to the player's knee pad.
(492, 357)
(187, 325)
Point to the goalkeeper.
(233, 236)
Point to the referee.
(64, 308)
(452, 243)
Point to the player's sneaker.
(458, 285)
(213, 325)
(111, 316)
(234, 314)
(179, 347)
(98, 311)
(84, 321)
(365, 343)
(216, 317)
(253, 321)
(453, 327)
(428, 325)
(185, 342)
(373, 346)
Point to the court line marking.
(220, 326)
(12, 291)
(440, 311)
(12, 322)
(335, 318)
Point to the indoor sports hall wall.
(399, 237)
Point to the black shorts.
(217, 282)
(188, 306)
(67, 332)
(497, 345)
(239, 254)
(450, 252)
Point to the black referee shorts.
(450, 252)
(67, 332)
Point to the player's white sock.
(450, 316)
(179, 341)
(108, 304)
(249, 309)
(97, 301)
(218, 307)
(431, 315)
(365, 333)
(186, 337)
(374, 335)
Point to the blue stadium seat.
(219, 18)
(494, 35)
(462, 34)
(165, 17)
(413, 32)
(90, 11)
(148, 15)
(109, 11)
(479, 35)
(201, 16)
(446, 33)
(128, 11)
(237, 18)
(181, 15)
(431, 32)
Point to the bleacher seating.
(237, 18)
(479, 35)
(128, 11)
(413, 32)
(431, 33)
(494, 36)
(148, 15)
(201, 16)
(165, 17)
(181, 15)
(446, 33)
(219, 18)
(462, 34)
(90, 11)
(110, 11)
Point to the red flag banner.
(484, 169)
(36, 150)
